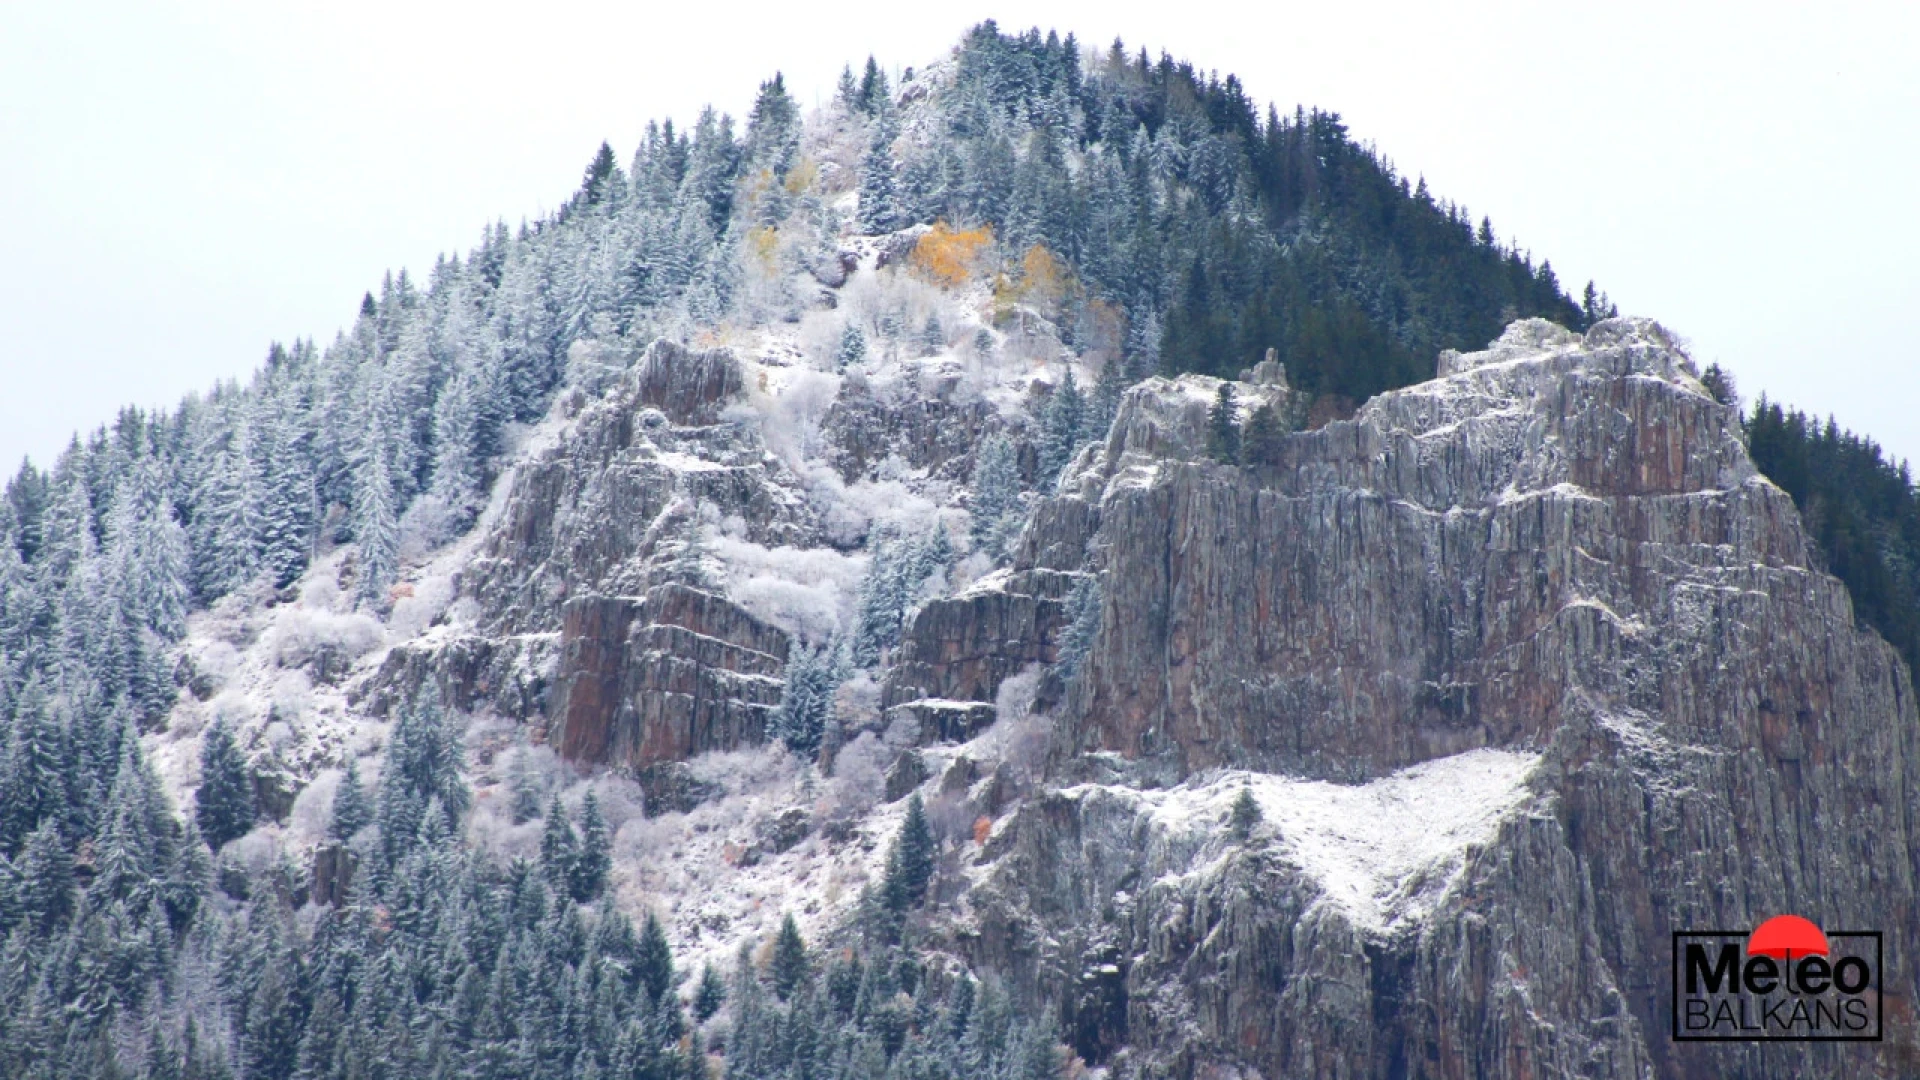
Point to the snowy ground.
(1385, 851)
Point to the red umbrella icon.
(1784, 935)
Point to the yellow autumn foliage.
(948, 256)
(1042, 284)
(802, 175)
(763, 242)
(1044, 279)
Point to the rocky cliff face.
(1539, 613)
(597, 614)
(1525, 667)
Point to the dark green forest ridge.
(1206, 230)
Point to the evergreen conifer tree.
(594, 857)
(223, 806)
(287, 513)
(790, 967)
(1083, 623)
(376, 528)
(773, 135)
(853, 346)
(911, 861)
(44, 895)
(846, 92)
(806, 699)
(227, 518)
(559, 849)
(523, 786)
(1061, 427)
(933, 336)
(1223, 432)
(874, 96)
(1245, 814)
(996, 495)
(712, 994)
(423, 760)
(34, 782)
(270, 1045)
(654, 964)
(880, 209)
(351, 809)
(1261, 444)
(459, 459)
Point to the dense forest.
(1186, 230)
(1862, 511)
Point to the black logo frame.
(1879, 1001)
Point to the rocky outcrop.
(662, 678)
(601, 509)
(932, 431)
(690, 386)
(508, 675)
(592, 533)
(960, 649)
(1556, 554)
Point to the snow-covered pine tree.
(1061, 427)
(1083, 623)
(846, 92)
(43, 897)
(933, 555)
(712, 163)
(1143, 342)
(227, 527)
(223, 805)
(1244, 816)
(853, 346)
(351, 809)
(882, 596)
(806, 699)
(711, 994)
(587, 878)
(654, 964)
(559, 848)
(996, 495)
(880, 209)
(458, 456)
(288, 507)
(874, 94)
(910, 863)
(933, 336)
(376, 528)
(422, 769)
(152, 556)
(773, 129)
(790, 966)
(523, 786)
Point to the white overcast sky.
(186, 182)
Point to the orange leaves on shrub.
(982, 827)
(948, 256)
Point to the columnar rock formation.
(1549, 578)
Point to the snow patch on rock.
(1384, 852)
